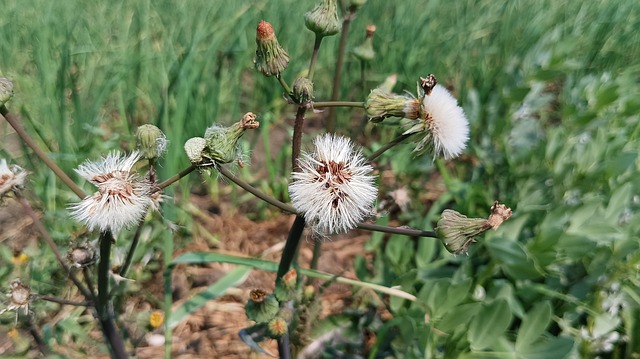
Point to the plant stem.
(115, 343)
(296, 142)
(64, 301)
(54, 248)
(40, 153)
(132, 249)
(291, 246)
(42, 345)
(337, 104)
(175, 178)
(397, 230)
(284, 84)
(337, 75)
(317, 250)
(389, 145)
(314, 56)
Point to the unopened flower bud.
(365, 51)
(323, 20)
(271, 59)
(81, 256)
(381, 104)
(261, 307)
(277, 327)
(309, 292)
(286, 286)
(194, 147)
(151, 141)
(457, 231)
(6, 90)
(303, 90)
(12, 178)
(222, 141)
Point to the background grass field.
(551, 89)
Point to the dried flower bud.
(6, 90)
(457, 231)
(365, 51)
(12, 178)
(194, 147)
(222, 141)
(381, 104)
(151, 141)
(81, 256)
(19, 297)
(277, 327)
(323, 20)
(261, 307)
(303, 90)
(271, 59)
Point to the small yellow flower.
(156, 319)
(20, 259)
(13, 334)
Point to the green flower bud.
(356, 4)
(365, 52)
(286, 286)
(6, 90)
(151, 141)
(309, 292)
(222, 141)
(457, 231)
(271, 59)
(277, 327)
(323, 20)
(261, 307)
(303, 90)
(194, 147)
(381, 104)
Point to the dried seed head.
(12, 178)
(82, 255)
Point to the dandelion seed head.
(333, 189)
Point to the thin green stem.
(44, 234)
(40, 153)
(51, 299)
(337, 75)
(397, 230)
(87, 278)
(337, 104)
(175, 178)
(284, 84)
(115, 343)
(314, 56)
(389, 145)
(317, 251)
(132, 250)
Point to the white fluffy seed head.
(333, 189)
(445, 127)
(122, 198)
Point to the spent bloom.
(122, 198)
(457, 232)
(19, 297)
(271, 58)
(333, 188)
(441, 120)
(151, 141)
(12, 178)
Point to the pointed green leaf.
(488, 325)
(217, 289)
(533, 324)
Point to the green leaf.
(488, 325)
(533, 324)
(460, 315)
(555, 348)
(231, 279)
(208, 257)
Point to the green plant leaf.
(208, 257)
(488, 325)
(217, 289)
(533, 324)
(555, 348)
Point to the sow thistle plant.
(333, 189)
